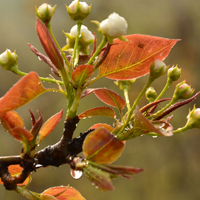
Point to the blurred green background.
(172, 165)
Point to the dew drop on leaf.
(155, 136)
(76, 174)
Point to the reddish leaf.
(82, 73)
(106, 126)
(164, 127)
(11, 120)
(87, 92)
(132, 59)
(20, 134)
(99, 178)
(50, 124)
(102, 147)
(14, 171)
(47, 197)
(140, 121)
(109, 97)
(64, 193)
(98, 111)
(25, 90)
(49, 45)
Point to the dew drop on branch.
(76, 174)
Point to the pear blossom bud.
(122, 85)
(193, 118)
(157, 69)
(8, 60)
(78, 10)
(114, 26)
(45, 12)
(182, 91)
(174, 73)
(85, 39)
(151, 94)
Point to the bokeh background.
(172, 165)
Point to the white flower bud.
(86, 34)
(78, 10)
(115, 26)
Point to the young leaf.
(132, 59)
(106, 126)
(20, 134)
(49, 45)
(109, 97)
(82, 73)
(99, 178)
(14, 171)
(98, 111)
(25, 90)
(50, 124)
(47, 197)
(11, 120)
(145, 125)
(64, 193)
(102, 147)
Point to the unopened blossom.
(114, 26)
(78, 10)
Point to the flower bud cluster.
(85, 39)
(78, 10)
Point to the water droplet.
(76, 174)
(39, 58)
(155, 136)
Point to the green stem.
(127, 98)
(103, 43)
(73, 109)
(28, 194)
(136, 103)
(20, 73)
(169, 82)
(74, 56)
(180, 130)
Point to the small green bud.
(78, 10)
(174, 73)
(124, 84)
(151, 94)
(182, 91)
(193, 118)
(45, 12)
(157, 69)
(8, 60)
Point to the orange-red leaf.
(98, 111)
(82, 73)
(14, 171)
(49, 45)
(20, 134)
(106, 126)
(25, 90)
(109, 97)
(102, 147)
(64, 193)
(11, 120)
(132, 59)
(50, 124)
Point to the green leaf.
(98, 111)
(25, 90)
(102, 147)
(82, 73)
(50, 124)
(132, 59)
